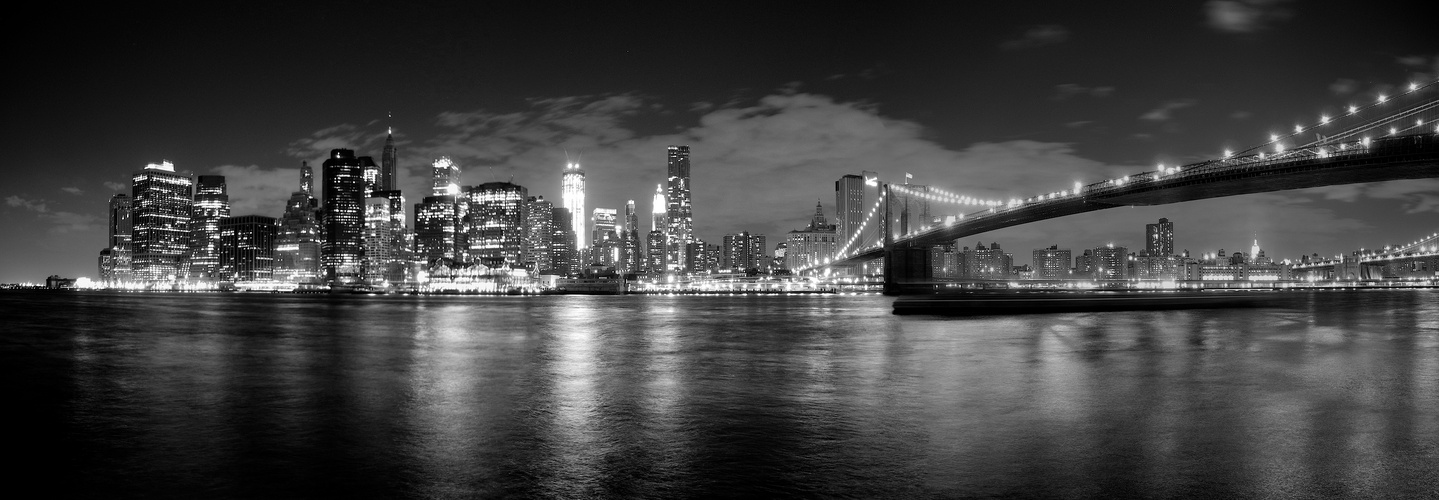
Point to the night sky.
(776, 103)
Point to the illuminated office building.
(848, 205)
(379, 241)
(344, 221)
(742, 251)
(115, 266)
(563, 253)
(395, 240)
(370, 172)
(572, 194)
(496, 233)
(436, 227)
(389, 158)
(655, 252)
(444, 178)
(604, 240)
(297, 241)
(247, 248)
(162, 200)
(539, 235)
(212, 203)
(679, 212)
(1159, 238)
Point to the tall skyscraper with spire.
(678, 209)
(572, 193)
(388, 159)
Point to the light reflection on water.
(284, 395)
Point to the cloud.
(1037, 36)
(56, 222)
(1165, 111)
(1419, 61)
(28, 204)
(1417, 195)
(259, 191)
(1078, 124)
(116, 186)
(73, 190)
(70, 222)
(1067, 90)
(1343, 86)
(1241, 115)
(1244, 16)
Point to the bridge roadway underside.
(1413, 163)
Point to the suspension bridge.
(1392, 137)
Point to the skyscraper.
(631, 247)
(1159, 238)
(562, 245)
(445, 178)
(678, 210)
(212, 203)
(307, 181)
(498, 213)
(379, 240)
(572, 193)
(848, 206)
(247, 248)
(659, 215)
(436, 229)
(115, 258)
(540, 235)
(371, 174)
(743, 251)
(160, 238)
(401, 239)
(604, 240)
(344, 222)
(388, 160)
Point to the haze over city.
(988, 101)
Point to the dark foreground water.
(203, 396)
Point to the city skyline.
(766, 138)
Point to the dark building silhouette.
(344, 217)
(388, 160)
(247, 248)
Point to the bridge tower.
(907, 268)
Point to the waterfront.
(258, 395)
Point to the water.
(236, 395)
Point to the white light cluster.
(1352, 109)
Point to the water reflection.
(689, 396)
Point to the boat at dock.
(1038, 302)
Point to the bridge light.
(1393, 131)
(1365, 141)
(1353, 109)
(1323, 119)
(1273, 138)
(1228, 153)
(1298, 128)
(1382, 98)
(1413, 87)
(1278, 148)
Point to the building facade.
(212, 203)
(572, 195)
(344, 218)
(812, 245)
(247, 248)
(678, 211)
(162, 203)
